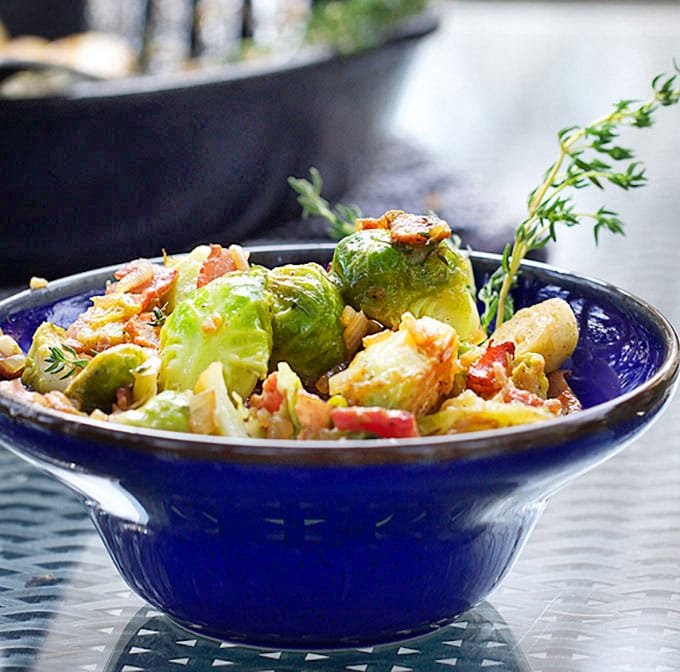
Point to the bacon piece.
(560, 390)
(55, 400)
(382, 222)
(383, 422)
(418, 230)
(142, 330)
(512, 393)
(221, 261)
(271, 398)
(149, 282)
(488, 374)
(408, 229)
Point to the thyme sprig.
(64, 359)
(340, 217)
(158, 316)
(585, 158)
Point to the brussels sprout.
(39, 373)
(387, 279)
(228, 321)
(95, 386)
(307, 326)
(188, 268)
(410, 369)
(168, 410)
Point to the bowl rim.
(468, 446)
(304, 58)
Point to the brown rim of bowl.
(645, 398)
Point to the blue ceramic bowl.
(319, 544)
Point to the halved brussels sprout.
(307, 325)
(167, 410)
(39, 372)
(95, 386)
(227, 321)
(548, 328)
(410, 369)
(387, 279)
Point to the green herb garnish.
(584, 159)
(64, 359)
(340, 218)
(158, 316)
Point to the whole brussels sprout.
(307, 326)
(387, 279)
(227, 321)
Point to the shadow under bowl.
(335, 544)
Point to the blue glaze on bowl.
(317, 544)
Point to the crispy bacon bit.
(150, 282)
(408, 229)
(383, 222)
(418, 229)
(489, 374)
(270, 398)
(141, 330)
(512, 393)
(383, 422)
(312, 411)
(560, 390)
(124, 399)
(221, 261)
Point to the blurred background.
(466, 126)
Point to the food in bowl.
(386, 342)
(320, 543)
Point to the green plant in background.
(353, 25)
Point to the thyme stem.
(546, 206)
